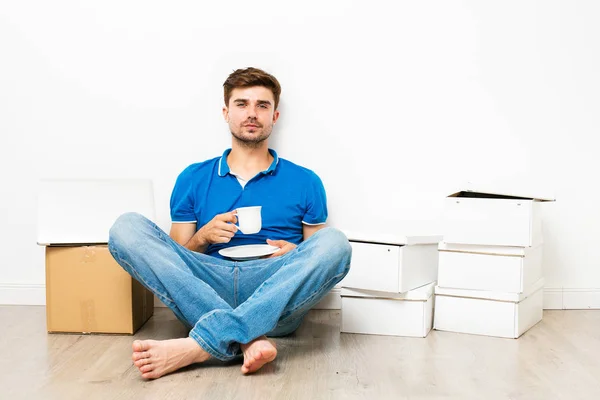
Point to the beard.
(254, 139)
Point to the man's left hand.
(284, 247)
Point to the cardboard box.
(506, 315)
(392, 263)
(493, 218)
(490, 268)
(381, 313)
(88, 292)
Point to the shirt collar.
(224, 167)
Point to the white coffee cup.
(249, 219)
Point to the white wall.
(393, 105)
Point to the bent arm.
(185, 235)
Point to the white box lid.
(81, 211)
(485, 249)
(507, 190)
(491, 295)
(396, 239)
(419, 294)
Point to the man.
(231, 306)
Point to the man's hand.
(284, 247)
(219, 230)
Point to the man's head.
(251, 101)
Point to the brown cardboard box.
(88, 292)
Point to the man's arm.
(309, 230)
(219, 230)
(285, 247)
(184, 234)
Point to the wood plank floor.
(557, 359)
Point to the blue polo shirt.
(290, 196)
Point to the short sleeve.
(316, 202)
(182, 199)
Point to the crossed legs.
(230, 307)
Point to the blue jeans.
(223, 302)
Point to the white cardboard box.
(390, 263)
(507, 315)
(492, 268)
(495, 219)
(382, 313)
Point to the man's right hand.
(219, 230)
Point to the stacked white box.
(385, 313)
(389, 289)
(490, 264)
(488, 313)
(489, 268)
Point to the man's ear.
(226, 114)
(275, 116)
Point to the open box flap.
(418, 294)
(502, 191)
(82, 211)
(394, 239)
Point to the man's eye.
(263, 106)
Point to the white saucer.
(248, 251)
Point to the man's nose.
(251, 112)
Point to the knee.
(126, 230)
(335, 246)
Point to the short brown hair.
(243, 78)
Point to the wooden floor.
(557, 359)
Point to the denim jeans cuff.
(206, 347)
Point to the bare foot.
(257, 353)
(155, 358)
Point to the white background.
(393, 104)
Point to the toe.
(248, 361)
(149, 375)
(141, 345)
(146, 368)
(142, 361)
(137, 345)
(140, 355)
